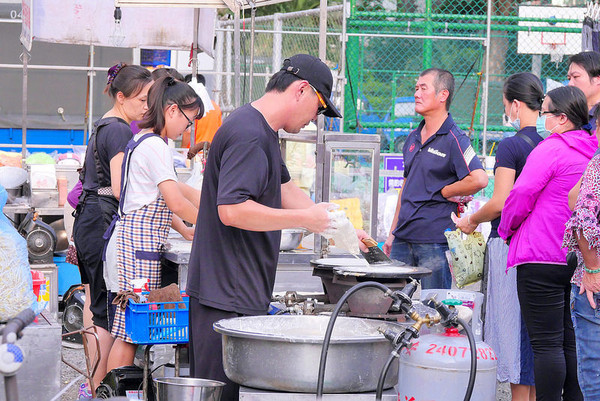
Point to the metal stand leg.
(177, 351)
(90, 368)
(146, 371)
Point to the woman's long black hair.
(163, 93)
(571, 101)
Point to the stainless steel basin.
(290, 238)
(282, 353)
(187, 389)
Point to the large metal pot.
(187, 389)
(282, 353)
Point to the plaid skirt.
(140, 238)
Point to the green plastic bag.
(466, 256)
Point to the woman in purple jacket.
(533, 220)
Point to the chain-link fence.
(276, 37)
(388, 43)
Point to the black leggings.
(544, 294)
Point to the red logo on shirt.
(412, 147)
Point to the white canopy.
(92, 22)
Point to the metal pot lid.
(302, 329)
(396, 270)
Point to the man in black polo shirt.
(584, 73)
(247, 198)
(439, 165)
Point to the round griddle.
(360, 268)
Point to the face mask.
(516, 123)
(540, 126)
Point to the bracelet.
(591, 271)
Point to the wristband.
(591, 271)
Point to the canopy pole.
(25, 59)
(251, 80)
(237, 80)
(320, 245)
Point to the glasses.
(190, 122)
(555, 112)
(323, 105)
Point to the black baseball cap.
(313, 70)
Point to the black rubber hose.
(334, 315)
(473, 347)
(380, 383)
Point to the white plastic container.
(437, 367)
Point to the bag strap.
(94, 144)
(131, 145)
(125, 166)
(526, 139)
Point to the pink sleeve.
(537, 172)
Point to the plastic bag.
(16, 287)
(197, 176)
(341, 231)
(12, 177)
(466, 256)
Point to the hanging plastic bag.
(197, 176)
(16, 287)
(466, 256)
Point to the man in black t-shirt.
(247, 198)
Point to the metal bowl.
(282, 353)
(290, 238)
(187, 389)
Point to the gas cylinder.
(436, 367)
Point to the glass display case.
(350, 174)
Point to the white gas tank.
(436, 368)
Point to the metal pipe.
(91, 74)
(319, 245)
(219, 66)
(427, 43)
(25, 55)
(461, 17)
(53, 67)
(342, 64)
(251, 80)
(279, 31)
(277, 41)
(228, 46)
(486, 83)
(458, 26)
(237, 81)
(408, 36)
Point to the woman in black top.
(127, 86)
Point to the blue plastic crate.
(153, 323)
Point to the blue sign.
(393, 162)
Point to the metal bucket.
(187, 389)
